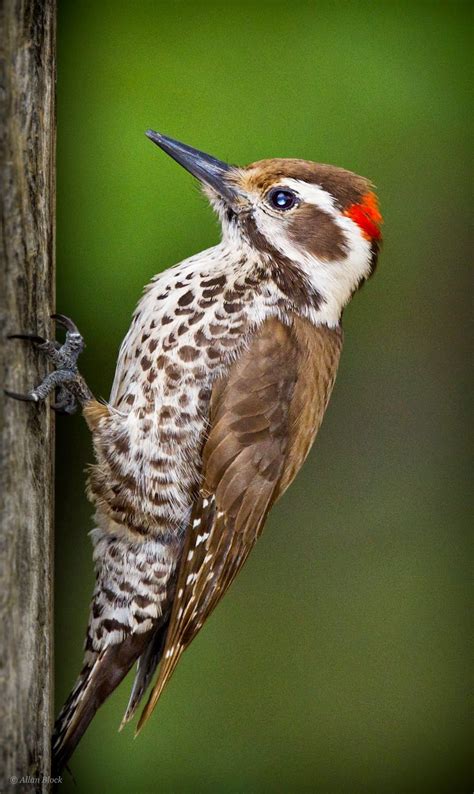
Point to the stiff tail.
(146, 666)
(95, 683)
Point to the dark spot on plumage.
(162, 296)
(204, 304)
(97, 609)
(232, 308)
(232, 295)
(160, 464)
(199, 373)
(204, 394)
(172, 372)
(189, 276)
(153, 324)
(170, 434)
(183, 399)
(313, 230)
(109, 594)
(138, 529)
(184, 310)
(180, 285)
(182, 329)
(145, 363)
(195, 318)
(211, 292)
(237, 329)
(161, 362)
(252, 281)
(151, 376)
(218, 281)
(227, 341)
(109, 624)
(213, 353)
(145, 337)
(200, 338)
(165, 320)
(216, 330)
(187, 298)
(188, 353)
(153, 345)
(169, 342)
(130, 399)
(141, 601)
(183, 419)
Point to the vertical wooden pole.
(27, 171)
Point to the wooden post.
(27, 170)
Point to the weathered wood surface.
(27, 147)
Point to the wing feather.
(263, 418)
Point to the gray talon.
(27, 398)
(72, 389)
(66, 323)
(38, 340)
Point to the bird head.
(320, 220)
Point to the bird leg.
(71, 386)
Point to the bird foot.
(72, 389)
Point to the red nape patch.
(367, 216)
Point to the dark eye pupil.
(282, 199)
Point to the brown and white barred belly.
(191, 323)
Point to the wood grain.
(27, 145)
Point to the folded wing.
(263, 418)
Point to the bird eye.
(281, 198)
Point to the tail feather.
(146, 666)
(94, 684)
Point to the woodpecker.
(221, 385)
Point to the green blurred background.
(339, 660)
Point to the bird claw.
(38, 340)
(27, 398)
(66, 378)
(66, 323)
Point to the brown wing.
(263, 419)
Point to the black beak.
(207, 169)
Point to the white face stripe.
(312, 194)
(335, 280)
